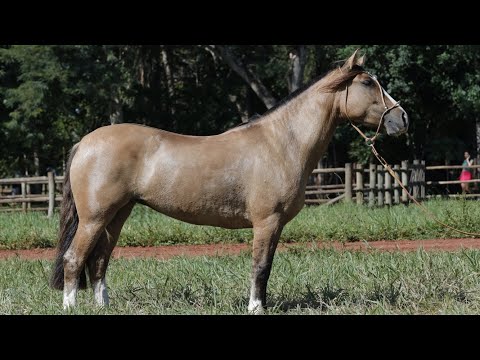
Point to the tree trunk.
(249, 98)
(64, 160)
(143, 62)
(116, 111)
(243, 103)
(169, 78)
(25, 165)
(141, 72)
(36, 163)
(242, 110)
(477, 128)
(250, 78)
(298, 60)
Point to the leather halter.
(371, 140)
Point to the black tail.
(68, 228)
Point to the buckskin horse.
(251, 176)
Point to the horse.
(251, 176)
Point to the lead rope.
(371, 143)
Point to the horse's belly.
(220, 221)
(200, 213)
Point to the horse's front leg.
(266, 234)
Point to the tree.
(53, 95)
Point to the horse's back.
(122, 132)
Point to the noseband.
(371, 140)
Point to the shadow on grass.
(321, 299)
(318, 299)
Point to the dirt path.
(166, 252)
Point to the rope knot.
(370, 141)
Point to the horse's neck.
(305, 127)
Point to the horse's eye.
(367, 82)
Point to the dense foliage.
(52, 95)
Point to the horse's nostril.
(404, 118)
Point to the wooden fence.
(370, 185)
(373, 185)
(441, 168)
(49, 192)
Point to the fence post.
(380, 185)
(371, 194)
(348, 182)
(405, 180)
(24, 195)
(29, 192)
(396, 186)
(320, 179)
(51, 193)
(359, 176)
(415, 179)
(388, 188)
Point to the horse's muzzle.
(396, 122)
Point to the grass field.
(302, 282)
(342, 222)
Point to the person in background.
(466, 173)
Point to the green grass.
(341, 222)
(302, 282)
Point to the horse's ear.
(352, 61)
(361, 61)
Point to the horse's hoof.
(256, 309)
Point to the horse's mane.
(336, 79)
(333, 81)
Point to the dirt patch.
(167, 252)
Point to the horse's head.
(364, 101)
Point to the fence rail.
(373, 185)
(370, 184)
(21, 191)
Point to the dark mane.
(339, 78)
(334, 81)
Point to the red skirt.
(465, 175)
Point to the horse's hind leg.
(88, 232)
(265, 239)
(97, 262)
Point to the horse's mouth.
(396, 131)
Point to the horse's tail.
(68, 228)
